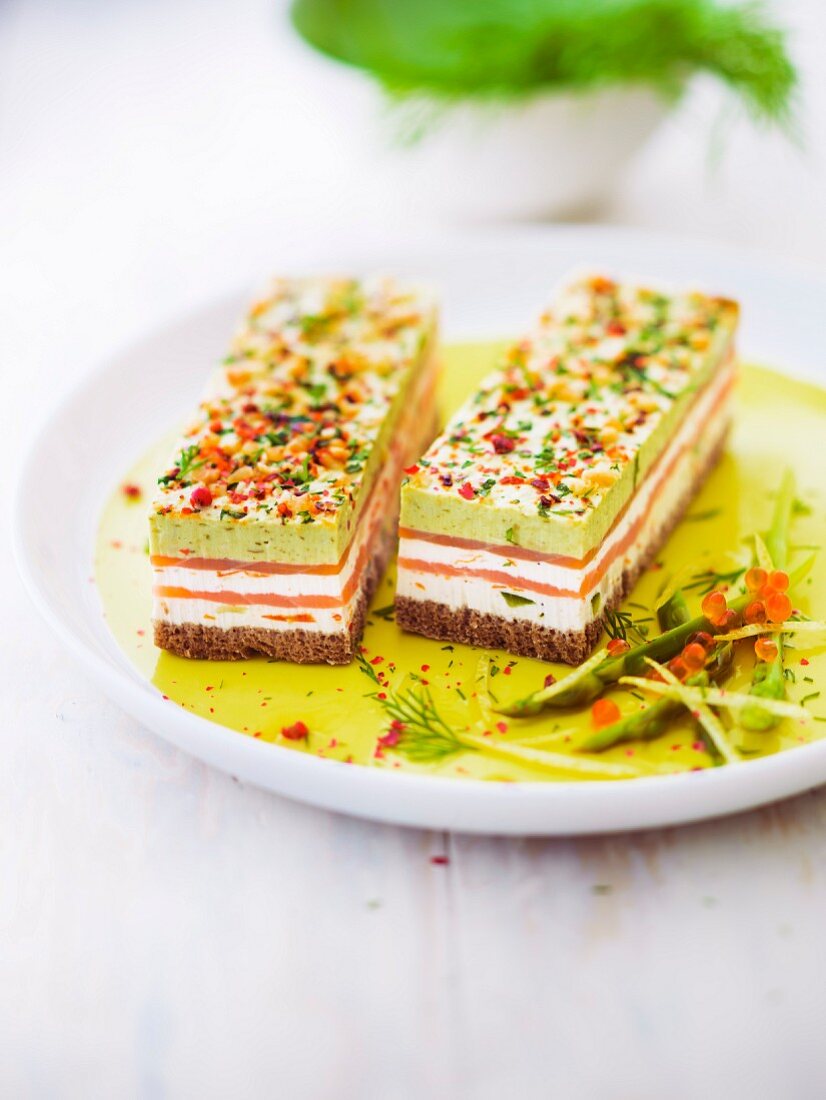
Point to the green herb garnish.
(513, 600)
(434, 53)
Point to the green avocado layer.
(497, 523)
(268, 539)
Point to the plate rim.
(449, 803)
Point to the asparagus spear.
(777, 539)
(649, 723)
(589, 681)
(768, 679)
(644, 725)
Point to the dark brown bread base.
(463, 624)
(525, 639)
(299, 646)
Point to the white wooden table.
(165, 931)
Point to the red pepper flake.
(549, 680)
(391, 738)
(804, 660)
(502, 727)
(411, 469)
(296, 732)
(377, 660)
(467, 491)
(439, 861)
(425, 668)
(512, 480)
(502, 444)
(132, 491)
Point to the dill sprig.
(420, 732)
(704, 581)
(425, 737)
(620, 624)
(433, 53)
(367, 668)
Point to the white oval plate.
(492, 284)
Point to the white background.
(165, 931)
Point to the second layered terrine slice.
(551, 489)
(277, 513)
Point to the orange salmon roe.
(755, 579)
(605, 712)
(779, 580)
(694, 657)
(714, 606)
(731, 620)
(765, 649)
(778, 607)
(755, 612)
(678, 666)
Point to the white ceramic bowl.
(549, 156)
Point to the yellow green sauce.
(779, 422)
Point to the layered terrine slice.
(551, 489)
(278, 511)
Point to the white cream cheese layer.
(321, 620)
(578, 601)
